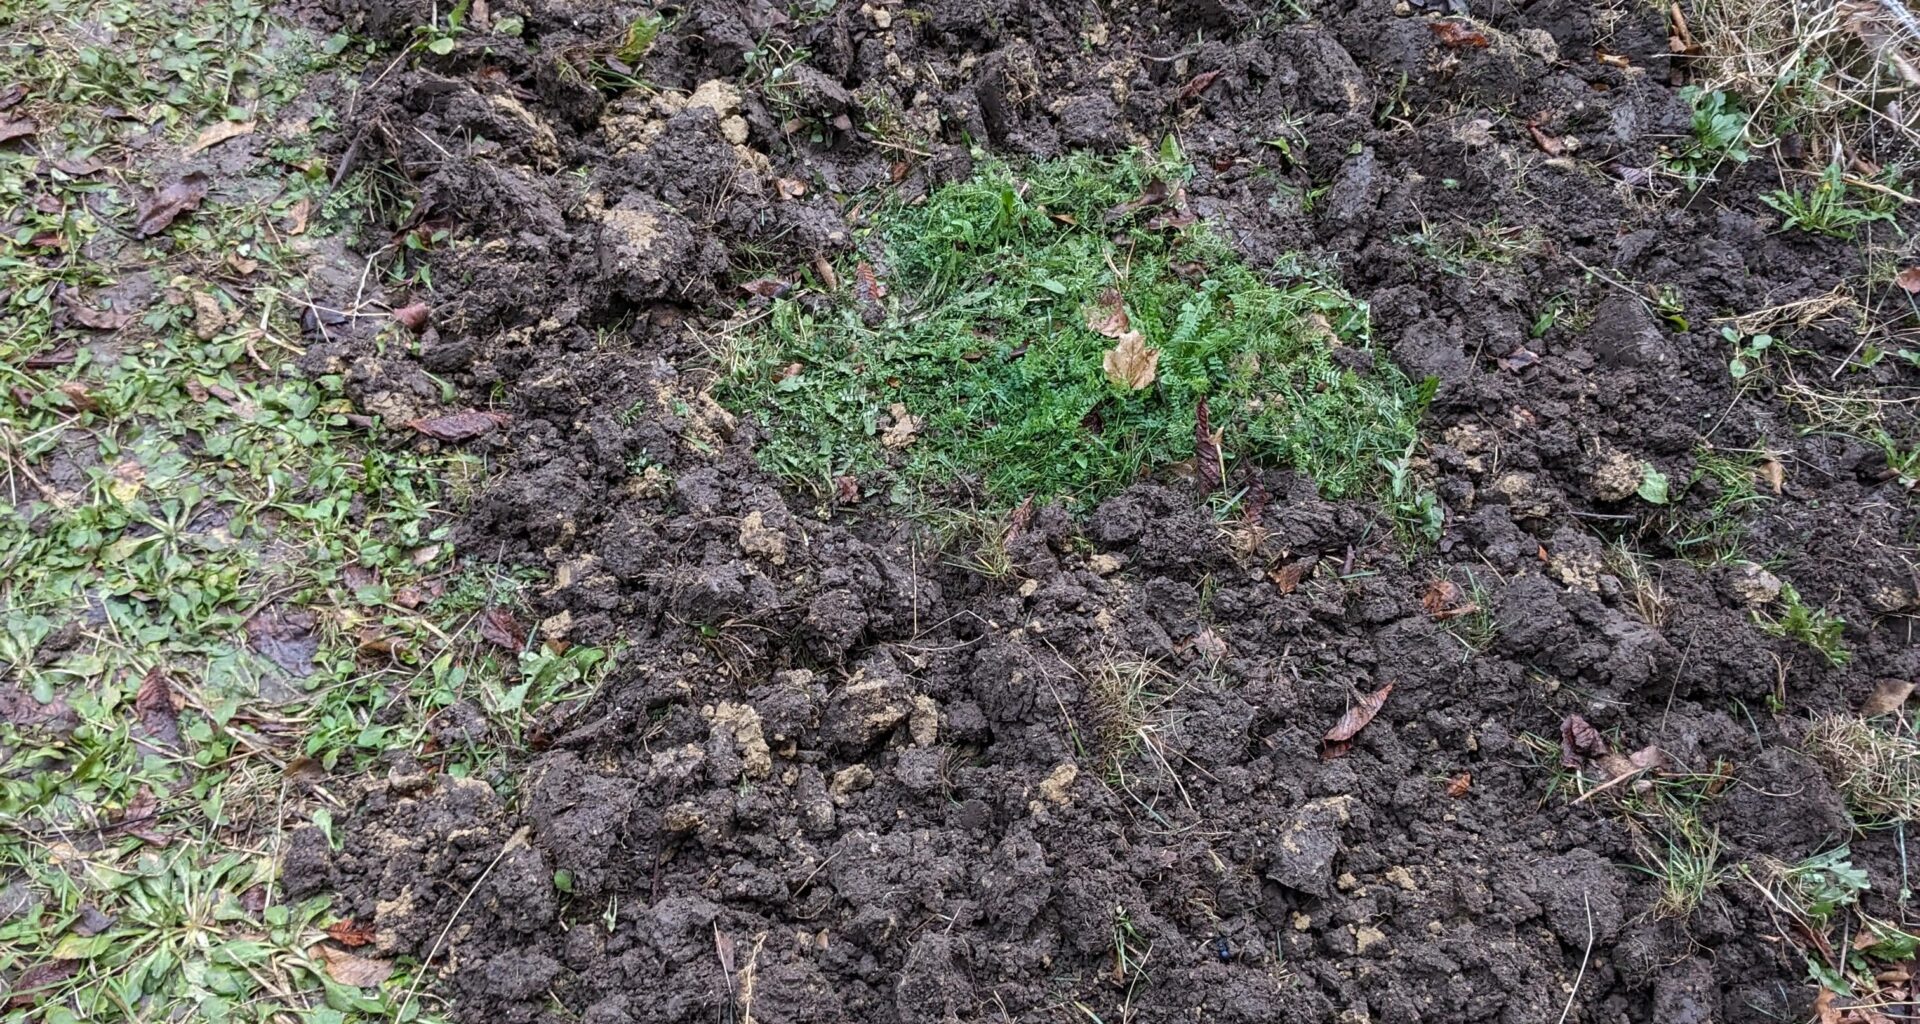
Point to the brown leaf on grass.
(1287, 578)
(351, 968)
(868, 291)
(904, 428)
(767, 287)
(499, 628)
(215, 134)
(1176, 214)
(17, 128)
(1618, 60)
(414, 316)
(11, 96)
(154, 706)
(1197, 85)
(1888, 696)
(164, 208)
(459, 426)
(1455, 34)
(1458, 786)
(1208, 463)
(1548, 143)
(1445, 600)
(1679, 35)
(78, 168)
(99, 319)
(1339, 739)
(1021, 518)
(350, 935)
(1108, 317)
(37, 982)
(297, 217)
(1130, 363)
(1153, 195)
(1908, 280)
(847, 489)
(1579, 739)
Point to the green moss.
(984, 338)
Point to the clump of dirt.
(846, 771)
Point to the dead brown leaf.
(38, 981)
(1458, 785)
(1208, 462)
(1618, 60)
(1108, 317)
(11, 96)
(351, 968)
(78, 168)
(297, 217)
(1196, 86)
(790, 188)
(867, 290)
(904, 428)
(1773, 474)
(1579, 739)
(350, 935)
(1153, 195)
(215, 134)
(459, 426)
(1339, 739)
(1549, 144)
(1130, 363)
(499, 628)
(1517, 360)
(164, 208)
(414, 316)
(767, 287)
(17, 128)
(1445, 600)
(1287, 578)
(1888, 696)
(1455, 34)
(847, 489)
(1679, 35)
(98, 319)
(153, 703)
(1909, 280)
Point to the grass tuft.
(984, 346)
(1877, 770)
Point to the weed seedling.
(1825, 209)
(1719, 135)
(1815, 627)
(1749, 351)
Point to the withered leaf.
(1549, 144)
(1773, 473)
(1339, 739)
(1130, 363)
(1455, 34)
(1021, 518)
(78, 168)
(38, 982)
(1888, 696)
(847, 489)
(499, 628)
(767, 287)
(1579, 739)
(459, 426)
(99, 319)
(1108, 317)
(17, 128)
(1445, 600)
(1287, 578)
(351, 968)
(11, 96)
(790, 188)
(1153, 195)
(867, 288)
(1176, 214)
(215, 134)
(1458, 785)
(297, 217)
(414, 316)
(1197, 85)
(1909, 280)
(153, 703)
(349, 934)
(1256, 501)
(163, 209)
(904, 428)
(1208, 462)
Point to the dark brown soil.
(838, 777)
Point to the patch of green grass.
(1706, 522)
(1826, 209)
(984, 350)
(1815, 627)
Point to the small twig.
(514, 842)
(1587, 902)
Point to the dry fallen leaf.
(1458, 785)
(1548, 143)
(1286, 579)
(100, 319)
(215, 134)
(38, 982)
(1108, 317)
(178, 198)
(298, 216)
(459, 426)
(790, 188)
(767, 287)
(1909, 280)
(1339, 739)
(1197, 86)
(1445, 600)
(351, 935)
(847, 489)
(18, 128)
(1208, 463)
(1130, 363)
(905, 427)
(1773, 473)
(352, 969)
(1578, 739)
(1888, 696)
(414, 316)
(499, 628)
(1519, 359)
(1456, 35)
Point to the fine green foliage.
(1825, 209)
(984, 343)
(1825, 884)
(1719, 136)
(1815, 627)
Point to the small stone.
(1302, 922)
(556, 627)
(757, 538)
(1105, 564)
(1346, 882)
(1057, 788)
(1029, 588)
(1617, 477)
(849, 780)
(1401, 877)
(1755, 585)
(1367, 935)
